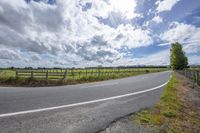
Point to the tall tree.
(178, 60)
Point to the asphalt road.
(77, 108)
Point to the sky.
(85, 33)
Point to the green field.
(194, 68)
(4, 74)
(79, 73)
(70, 76)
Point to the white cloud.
(9, 54)
(35, 57)
(178, 32)
(126, 7)
(101, 8)
(65, 34)
(194, 60)
(186, 34)
(64, 29)
(157, 19)
(132, 37)
(159, 58)
(165, 5)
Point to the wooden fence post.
(193, 78)
(31, 74)
(47, 74)
(185, 73)
(16, 74)
(198, 76)
(65, 75)
(73, 75)
(98, 73)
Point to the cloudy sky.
(79, 33)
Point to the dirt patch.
(127, 125)
(189, 95)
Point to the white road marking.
(100, 85)
(81, 103)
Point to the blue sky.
(80, 33)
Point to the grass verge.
(170, 114)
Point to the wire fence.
(193, 75)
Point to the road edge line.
(81, 103)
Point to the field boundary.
(193, 75)
(75, 74)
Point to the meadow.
(69, 76)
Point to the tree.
(178, 60)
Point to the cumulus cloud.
(178, 32)
(102, 8)
(71, 33)
(35, 57)
(64, 28)
(126, 7)
(9, 54)
(157, 19)
(165, 5)
(132, 37)
(194, 60)
(186, 34)
(159, 58)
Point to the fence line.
(193, 75)
(77, 74)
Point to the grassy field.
(81, 73)
(4, 74)
(194, 68)
(72, 76)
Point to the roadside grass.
(165, 110)
(177, 110)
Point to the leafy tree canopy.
(178, 60)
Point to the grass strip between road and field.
(165, 110)
(175, 112)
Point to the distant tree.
(178, 60)
(12, 67)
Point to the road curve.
(65, 119)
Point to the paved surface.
(85, 118)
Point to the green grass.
(194, 68)
(81, 73)
(73, 76)
(5, 74)
(167, 108)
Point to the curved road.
(86, 107)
